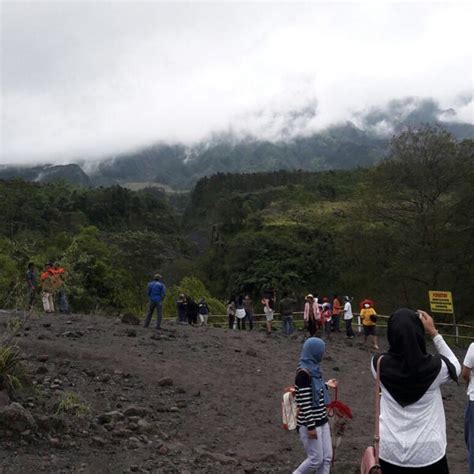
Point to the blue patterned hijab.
(311, 356)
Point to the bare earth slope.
(186, 400)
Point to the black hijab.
(407, 370)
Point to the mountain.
(70, 173)
(361, 143)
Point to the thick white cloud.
(88, 79)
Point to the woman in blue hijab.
(312, 397)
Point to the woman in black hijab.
(412, 420)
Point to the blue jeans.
(469, 433)
(288, 327)
(159, 308)
(62, 302)
(249, 318)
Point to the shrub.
(70, 404)
(194, 288)
(12, 371)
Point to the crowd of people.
(412, 422)
(50, 285)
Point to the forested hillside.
(109, 239)
(390, 232)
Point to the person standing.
(181, 308)
(311, 314)
(468, 376)
(348, 316)
(59, 276)
(156, 295)
(191, 311)
(31, 284)
(240, 313)
(368, 316)
(47, 288)
(287, 307)
(248, 306)
(312, 397)
(412, 419)
(231, 312)
(203, 310)
(326, 317)
(336, 313)
(268, 307)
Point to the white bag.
(289, 409)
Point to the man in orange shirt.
(336, 313)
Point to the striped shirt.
(308, 415)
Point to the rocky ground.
(106, 397)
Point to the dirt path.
(221, 413)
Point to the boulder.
(134, 410)
(16, 418)
(4, 398)
(129, 318)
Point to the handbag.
(369, 463)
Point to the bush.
(71, 404)
(194, 288)
(12, 371)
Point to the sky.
(90, 79)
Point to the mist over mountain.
(360, 142)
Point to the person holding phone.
(412, 420)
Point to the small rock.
(43, 358)
(181, 403)
(131, 333)
(98, 441)
(251, 352)
(55, 442)
(134, 410)
(163, 450)
(42, 369)
(165, 382)
(143, 426)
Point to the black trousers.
(440, 467)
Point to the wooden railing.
(259, 319)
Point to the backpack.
(289, 408)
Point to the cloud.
(93, 79)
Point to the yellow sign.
(441, 302)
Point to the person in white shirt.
(412, 420)
(348, 317)
(468, 376)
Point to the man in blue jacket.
(156, 295)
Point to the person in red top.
(47, 288)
